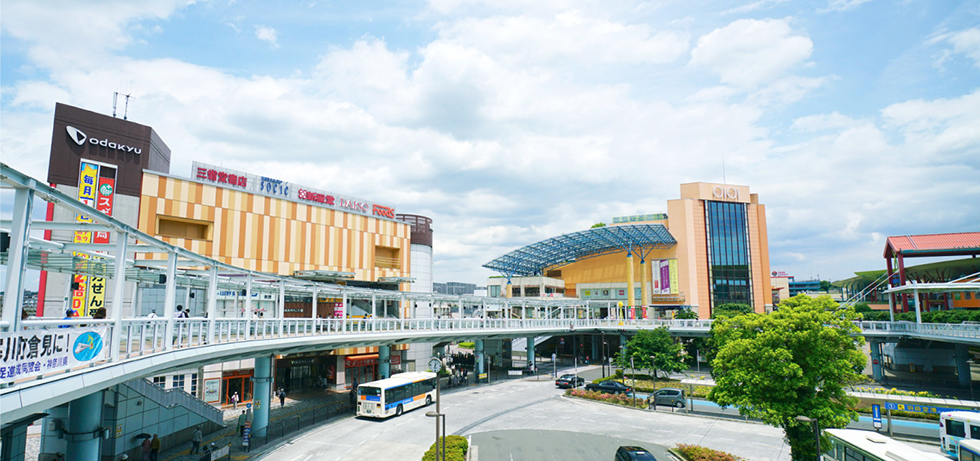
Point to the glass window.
(194, 384)
(369, 391)
(729, 258)
(974, 432)
(178, 382)
(955, 428)
(160, 380)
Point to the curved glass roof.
(565, 249)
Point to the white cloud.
(267, 34)
(822, 122)
(568, 35)
(967, 42)
(844, 5)
(749, 52)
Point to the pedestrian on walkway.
(155, 448)
(241, 424)
(145, 449)
(234, 400)
(282, 397)
(196, 438)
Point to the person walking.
(234, 400)
(241, 424)
(155, 448)
(145, 449)
(196, 438)
(282, 397)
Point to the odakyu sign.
(81, 138)
(277, 188)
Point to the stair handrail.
(172, 397)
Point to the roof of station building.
(960, 243)
(568, 248)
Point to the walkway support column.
(118, 284)
(261, 395)
(963, 365)
(876, 370)
(480, 356)
(384, 361)
(630, 296)
(530, 352)
(170, 299)
(918, 307)
(13, 302)
(644, 291)
(84, 433)
(14, 446)
(212, 306)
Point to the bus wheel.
(428, 400)
(398, 411)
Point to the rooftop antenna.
(723, 179)
(115, 96)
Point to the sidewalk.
(301, 402)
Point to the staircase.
(170, 398)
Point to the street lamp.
(437, 415)
(816, 432)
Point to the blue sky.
(511, 122)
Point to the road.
(503, 417)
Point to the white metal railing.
(169, 398)
(142, 336)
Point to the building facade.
(721, 256)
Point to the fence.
(286, 425)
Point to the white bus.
(857, 445)
(955, 426)
(969, 450)
(395, 395)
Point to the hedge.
(456, 448)
(699, 453)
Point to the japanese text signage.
(277, 188)
(30, 353)
(96, 188)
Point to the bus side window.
(974, 432)
(955, 428)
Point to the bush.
(731, 310)
(619, 399)
(467, 345)
(699, 453)
(456, 448)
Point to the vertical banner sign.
(655, 276)
(674, 283)
(876, 415)
(665, 280)
(88, 179)
(105, 195)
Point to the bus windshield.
(368, 391)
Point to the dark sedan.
(609, 387)
(566, 381)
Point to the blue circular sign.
(87, 346)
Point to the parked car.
(670, 396)
(633, 454)
(566, 381)
(609, 387)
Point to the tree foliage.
(653, 350)
(731, 310)
(598, 224)
(793, 362)
(685, 314)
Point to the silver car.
(670, 396)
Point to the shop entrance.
(363, 368)
(233, 382)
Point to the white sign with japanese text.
(38, 352)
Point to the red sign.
(387, 212)
(104, 198)
(304, 194)
(361, 360)
(222, 177)
(396, 359)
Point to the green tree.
(598, 224)
(731, 310)
(652, 350)
(825, 285)
(686, 314)
(793, 362)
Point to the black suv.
(566, 381)
(633, 454)
(609, 387)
